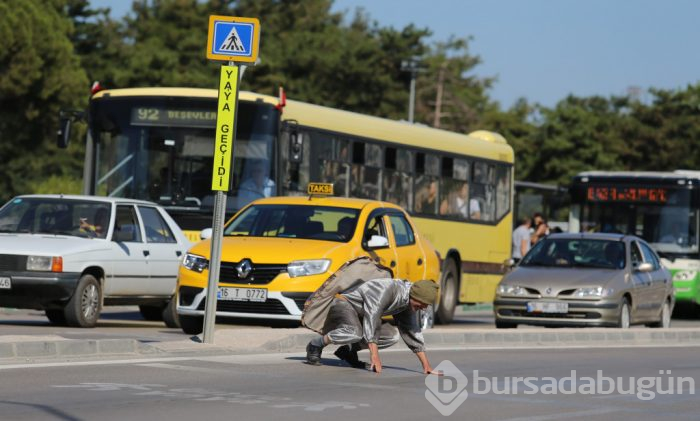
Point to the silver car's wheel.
(625, 316)
(664, 318)
(426, 318)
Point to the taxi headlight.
(512, 290)
(307, 267)
(592, 292)
(685, 275)
(45, 263)
(195, 262)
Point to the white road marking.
(562, 415)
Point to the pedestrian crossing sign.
(233, 39)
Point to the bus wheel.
(448, 293)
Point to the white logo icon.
(233, 42)
(244, 268)
(447, 392)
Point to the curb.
(232, 341)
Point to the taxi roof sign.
(233, 38)
(320, 189)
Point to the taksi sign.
(233, 39)
(225, 128)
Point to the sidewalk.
(14, 348)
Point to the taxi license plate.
(5, 282)
(535, 307)
(242, 294)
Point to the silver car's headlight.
(592, 292)
(43, 263)
(512, 290)
(195, 262)
(307, 267)
(685, 275)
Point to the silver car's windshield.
(79, 218)
(294, 221)
(606, 254)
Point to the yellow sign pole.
(220, 183)
(225, 133)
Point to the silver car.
(586, 280)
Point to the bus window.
(397, 185)
(502, 191)
(333, 158)
(365, 172)
(455, 189)
(483, 191)
(427, 169)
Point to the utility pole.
(411, 65)
(438, 96)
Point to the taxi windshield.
(78, 218)
(295, 221)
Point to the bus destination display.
(627, 194)
(155, 116)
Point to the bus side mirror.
(63, 134)
(296, 147)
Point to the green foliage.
(39, 75)
(51, 50)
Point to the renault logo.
(548, 290)
(243, 269)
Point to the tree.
(39, 75)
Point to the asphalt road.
(126, 322)
(280, 386)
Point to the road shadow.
(53, 412)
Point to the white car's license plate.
(242, 294)
(537, 307)
(5, 282)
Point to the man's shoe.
(313, 354)
(350, 357)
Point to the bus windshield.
(670, 227)
(160, 149)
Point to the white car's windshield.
(607, 254)
(295, 221)
(58, 216)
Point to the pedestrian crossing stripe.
(233, 39)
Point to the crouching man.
(354, 321)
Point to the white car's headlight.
(307, 267)
(45, 263)
(195, 263)
(685, 275)
(592, 292)
(512, 290)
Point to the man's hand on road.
(376, 363)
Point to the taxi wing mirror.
(645, 267)
(377, 241)
(205, 234)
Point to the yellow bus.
(157, 144)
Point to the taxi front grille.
(271, 306)
(13, 262)
(259, 275)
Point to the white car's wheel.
(84, 307)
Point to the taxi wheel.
(84, 307)
(170, 316)
(192, 325)
(448, 293)
(152, 313)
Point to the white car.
(70, 255)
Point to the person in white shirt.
(521, 239)
(257, 186)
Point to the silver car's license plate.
(543, 307)
(242, 294)
(5, 282)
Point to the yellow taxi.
(277, 251)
